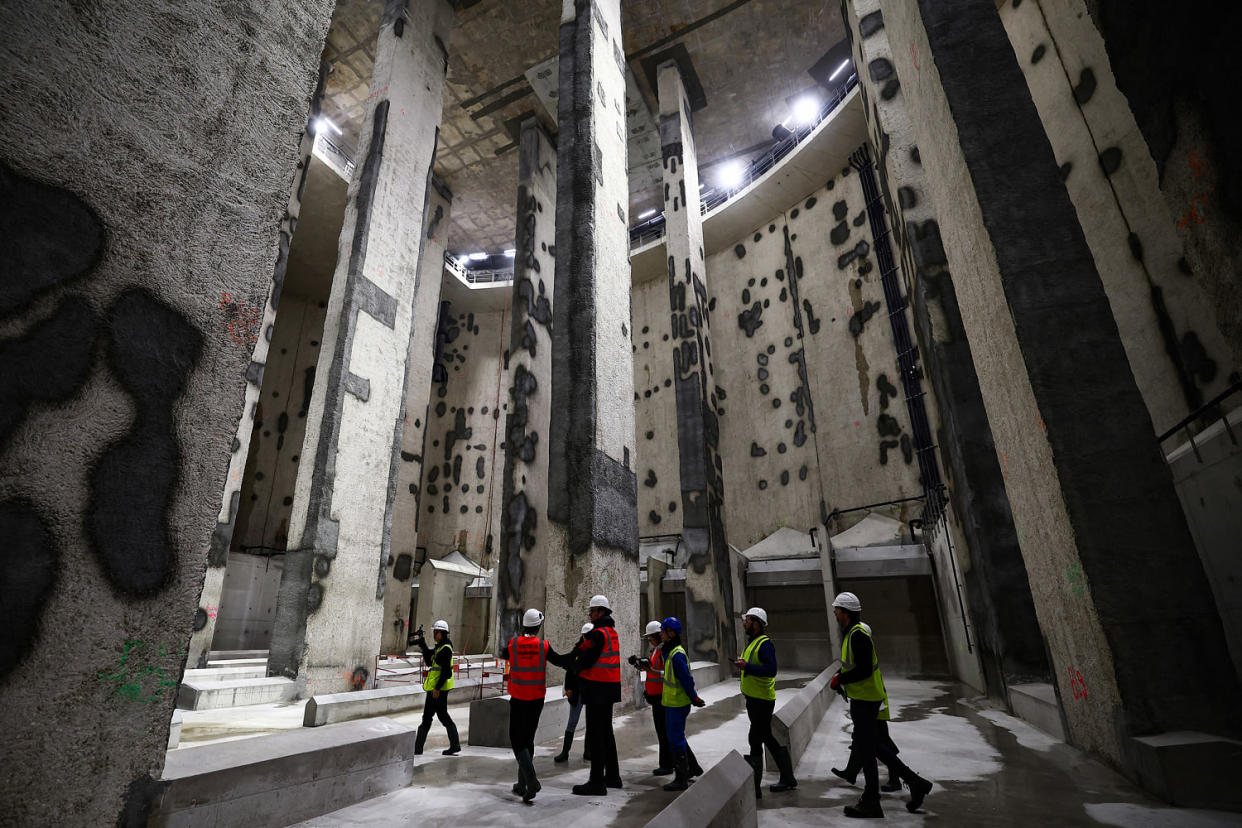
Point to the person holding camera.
(653, 688)
(438, 683)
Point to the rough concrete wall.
(521, 567)
(145, 162)
(655, 413)
(405, 515)
(1081, 488)
(977, 525)
(1176, 350)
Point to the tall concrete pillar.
(592, 489)
(709, 620)
(1131, 627)
(405, 513)
(330, 606)
(521, 569)
(221, 538)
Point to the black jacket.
(585, 655)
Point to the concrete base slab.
(1036, 703)
(280, 779)
(724, 797)
(795, 721)
(224, 673)
(489, 721)
(1190, 769)
(174, 730)
(209, 695)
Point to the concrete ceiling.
(751, 56)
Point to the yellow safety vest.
(757, 687)
(674, 695)
(433, 675)
(872, 687)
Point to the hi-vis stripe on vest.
(608, 667)
(528, 668)
(674, 694)
(433, 675)
(757, 687)
(653, 685)
(872, 687)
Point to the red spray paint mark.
(241, 319)
(1077, 685)
(914, 56)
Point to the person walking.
(863, 684)
(575, 709)
(677, 697)
(597, 664)
(438, 683)
(758, 666)
(885, 749)
(528, 686)
(652, 668)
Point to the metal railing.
(1205, 415)
(709, 200)
(480, 276)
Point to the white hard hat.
(587, 627)
(653, 628)
(847, 601)
(532, 618)
(440, 625)
(599, 601)
(758, 613)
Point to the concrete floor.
(989, 768)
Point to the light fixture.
(323, 121)
(844, 64)
(511, 252)
(646, 214)
(731, 174)
(477, 257)
(805, 110)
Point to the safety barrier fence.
(410, 669)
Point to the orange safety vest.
(528, 668)
(608, 667)
(654, 684)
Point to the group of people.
(593, 681)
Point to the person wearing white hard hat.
(575, 708)
(653, 688)
(758, 667)
(863, 684)
(528, 657)
(597, 665)
(438, 683)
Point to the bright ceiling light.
(805, 110)
(646, 214)
(477, 257)
(837, 71)
(322, 122)
(511, 252)
(731, 174)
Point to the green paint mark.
(135, 679)
(1078, 584)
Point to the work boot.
(563, 756)
(852, 767)
(693, 767)
(592, 787)
(757, 766)
(785, 763)
(919, 789)
(526, 769)
(845, 774)
(421, 739)
(517, 786)
(613, 781)
(586, 752)
(662, 771)
(865, 809)
(454, 747)
(892, 785)
(681, 766)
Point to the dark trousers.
(759, 711)
(866, 737)
(439, 709)
(601, 742)
(523, 722)
(661, 726)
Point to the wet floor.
(989, 769)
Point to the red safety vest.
(608, 667)
(528, 667)
(654, 684)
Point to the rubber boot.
(850, 774)
(421, 739)
(454, 745)
(893, 784)
(694, 769)
(757, 766)
(919, 789)
(865, 809)
(785, 763)
(681, 767)
(529, 781)
(563, 756)
(592, 787)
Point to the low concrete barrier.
(489, 720)
(174, 729)
(795, 721)
(284, 778)
(210, 695)
(724, 797)
(330, 708)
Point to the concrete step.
(233, 655)
(212, 695)
(236, 662)
(224, 673)
(1190, 769)
(1036, 703)
(284, 778)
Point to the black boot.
(586, 752)
(892, 785)
(865, 809)
(563, 756)
(850, 774)
(785, 763)
(592, 787)
(694, 769)
(526, 769)
(919, 789)
(421, 739)
(454, 745)
(756, 764)
(681, 766)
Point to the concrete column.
(521, 568)
(1115, 576)
(592, 493)
(330, 607)
(218, 553)
(709, 620)
(418, 363)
